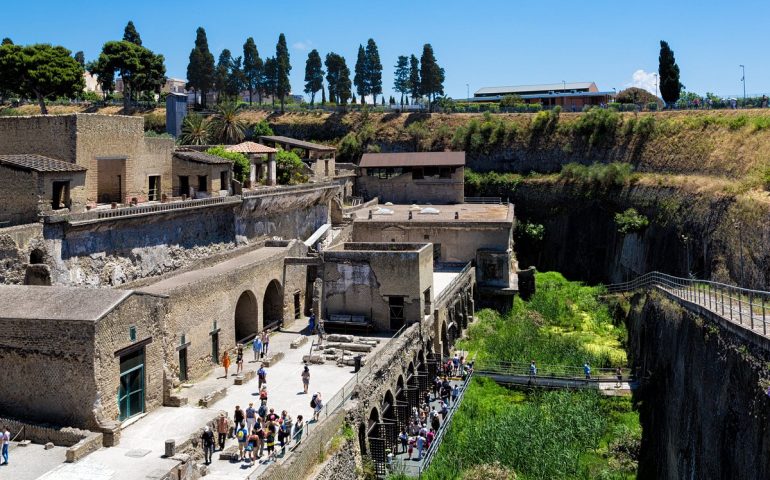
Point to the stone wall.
(35, 391)
(18, 198)
(403, 189)
(16, 243)
(147, 313)
(48, 135)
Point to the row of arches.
(247, 311)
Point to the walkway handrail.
(743, 306)
(548, 371)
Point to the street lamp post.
(743, 80)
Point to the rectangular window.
(61, 195)
(184, 185)
(183, 365)
(132, 333)
(223, 180)
(203, 183)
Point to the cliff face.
(711, 234)
(702, 400)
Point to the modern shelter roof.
(201, 157)
(25, 302)
(543, 87)
(40, 163)
(413, 159)
(293, 142)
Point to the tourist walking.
(252, 445)
(317, 404)
(223, 427)
(239, 360)
(270, 440)
(5, 440)
(619, 376)
(532, 369)
(256, 345)
(305, 378)
(207, 440)
(238, 416)
(226, 362)
(251, 417)
(311, 323)
(587, 370)
(455, 364)
(262, 377)
(243, 437)
(403, 439)
(265, 341)
(420, 446)
(455, 393)
(299, 427)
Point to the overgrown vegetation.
(601, 175)
(241, 164)
(544, 434)
(290, 168)
(631, 221)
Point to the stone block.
(340, 338)
(352, 347)
(48, 446)
(271, 360)
(317, 359)
(245, 377)
(230, 453)
(176, 400)
(170, 450)
(298, 342)
(84, 447)
(212, 397)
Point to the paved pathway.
(142, 444)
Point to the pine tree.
(373, 70)
(252, 69)
(80, 58)
(401, 77)
(314, 75)
(360, 79)
(283, 67)
(201, 69)
(431, 75)
(222, 76)
(414, 78)
(131, 35)
(668, 73)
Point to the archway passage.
(389, 422)
(444, 340)
(246, 320)
(36, 257)
(272, 305)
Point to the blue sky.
(482, 43)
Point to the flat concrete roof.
(228, 266)
(297, 143)
(58, 303)
(413, 159)
(468, 212)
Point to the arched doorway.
(389, 422)
(36, 256)
(272, 305)
(376, 440)
(246, 320)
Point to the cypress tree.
(314, 75)
(283, 67)
(131, 35)
(373, 70)
(401, 77)
(361, 78)
(431, 75)
(668, 74)
(252, 69)
(201, 69)
(414, 78)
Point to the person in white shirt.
(6, 442)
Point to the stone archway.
(246, 319)
(272, 305)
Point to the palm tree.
(196, 130)
(225, 126)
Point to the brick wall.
(403, 189)
(18, 198)
(50, 135)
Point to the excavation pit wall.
(702, 398)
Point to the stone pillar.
(271, 172)
(253, 174)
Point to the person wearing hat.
(207, 440)
(223, 428)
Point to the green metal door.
(131, 392)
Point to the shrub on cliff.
(601, 175)
(631, 221)
(597, 126)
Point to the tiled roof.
(39, 163)
(416, 159)
(250, 147)
(201, 157)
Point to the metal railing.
(549, 371)
(484, 200)
(449, 290)
(742, 306)
(149, 209)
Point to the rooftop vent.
(430, 211)
(383, 211)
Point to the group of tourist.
(258, 430)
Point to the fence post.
(722, 292)
(764, 322)
(740, 307)
(730, 299)
(751, 308)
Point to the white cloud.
(303, 46)
(644, 80)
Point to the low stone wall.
(87, 445)
(80, 442)
(307, 454)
